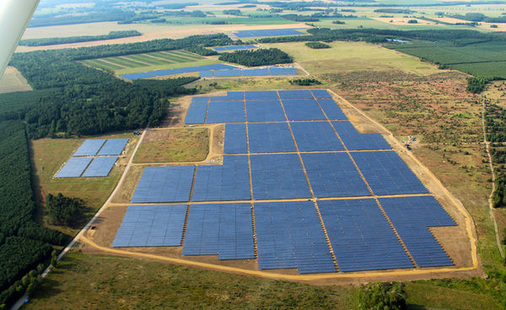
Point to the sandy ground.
(149, 32)
(455, 240)
(12, 81)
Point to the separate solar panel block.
(234, 47)
(255, 72)
(100, 167)
(227, 73)
(225, 112)
(113, 147)
(207, 74)
(289, 235)
(411, 217)
(151, 225)
(357, 141)
(278, 176)
(235, 139)
(90, 147)
(331, 109)
(321, 93)
(270, 138)
(229, 181)
(303, 110)
(74, 167)
(222, 229)
(264, 111)
(387, 174)
(231, 96)
(267, 33)
(282, 71)
(200, 99)
(361, 237)
(295, 94)
(316, 136)
(261, 95)
(196, 113)
(164, 184)
(334, 175)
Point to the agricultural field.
(13, 81)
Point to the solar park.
(299, 188)
(267, 33)
(234, 47)
(94, 158)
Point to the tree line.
(76, 39)
(260, 57)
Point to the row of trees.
(260, 57)
(68, 40)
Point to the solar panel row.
(234, 47)
(74, 167)
(89, 147)
(113, 147)
(267, 33)
(235, 139)
(249, 72)
(150, 74)
(357, 141)
(100, 167)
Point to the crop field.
(13, 81)
(136, 61)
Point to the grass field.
(141, 284)
(148, 61)
(175, 145)
(13, 81)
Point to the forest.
(68, 40)
(260, 57)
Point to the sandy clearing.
(150, 32)
(12, 81)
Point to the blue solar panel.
(160, 225)
(225, 230)
(231, 96)
(100, 167)
(357, 141)
(295, 94)
(235, 139)
(321, 93)
(411, 216)
(331, 109)
(267, 33)
(74, 167)
(113, 147)
(387, 174)
(361, 237)
(200, 99)
(90, 147)
(207, 74)
(225, 112)
(164, 184)
(253, 72)
(233, 47)
(290, 235)
(316, 136)
(155, 73)
(196, 113)
(333, 175)
(270, 138)
(303, 110)
(278, 176)
(282, 71)
(225, 73)
(264, 111)
(136, 76)
(261, 95)
(229, 181)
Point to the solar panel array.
(267, 33)
(151, 74)
(89, 159)
(225, 230)
(249, 72)
(151, 225)
(310, 182)
(234, 47)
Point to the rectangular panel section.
(100, 167)
(223, 229)
(289, 235)
(334, 175)
(321, 93)
(164, 184)
(200, 99)
(233, 47)
(267, 33)
(206, 74)
(295, 94)
(270, 138)
(357, 141)
(331, 109)
(316, 136)
(255, 72)
(278, 176)
(229, 181)
(235, 139)
(196, 113)
(264, 111)
(411, 217)
(113, 147)
(231, 96)
(225, 112)
(282, 71)
(160, 225)
(225, 73)
(303, 110)
(74, 167)
(361, 237)
(261, 95)
(387, 174)
(89, 147)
